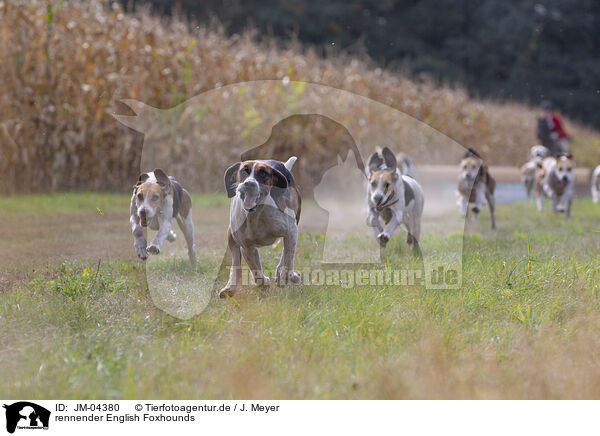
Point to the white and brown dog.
(556, 180)
(156, 200)
(393, 199)
(475, 186)
(265, 206)
(537, 153)
(595, 184)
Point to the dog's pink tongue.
(250, 201)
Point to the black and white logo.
(26, 415)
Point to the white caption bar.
(296, 417)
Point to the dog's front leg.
(164, 228)
(463, 205)
(479, 200)
(284, 272)
(528, 186)
(547, 189)
(564, 202)
(235, 273)
(139, 240)
(253, 260)
(394, 222)
(569, 203)
(555, 202)
(539, 198)
(187, 226)
(165, 217)
(373, 221)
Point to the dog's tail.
(290, 163)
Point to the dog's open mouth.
(143, 220)
(250, 201)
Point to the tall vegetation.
(66, 67)
(522, 50)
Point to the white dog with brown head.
(265, 206)
(537, 153)
(156, 200)
(556, 180)
(475, 186)
(393, 199)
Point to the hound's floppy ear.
(142, 179)
(374, 162)
(389, 158)
(231, 179)
(279, 190)
(279, 179)
(161, 178)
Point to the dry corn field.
(67, 66)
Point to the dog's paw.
(383, 239)
(142, 252)
(294, 277)
(285, 276)
(153, 249)
(263, 282)
(227, 291)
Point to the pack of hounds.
(266, 205)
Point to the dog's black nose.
(377, 198)
(565, 179)
(250, 184)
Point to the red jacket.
(556, 126)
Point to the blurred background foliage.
(526, 50)
(67, 65)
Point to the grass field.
(78, 320)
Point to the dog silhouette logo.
(197, 140)
(26, 415)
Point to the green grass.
(70, 202)
(524, 324)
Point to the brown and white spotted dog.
(595, 184)
(528, 172)
(156, 200)
(265, 206)
(537, 153)
(556, 180)
(475, 186)
(393, 198)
